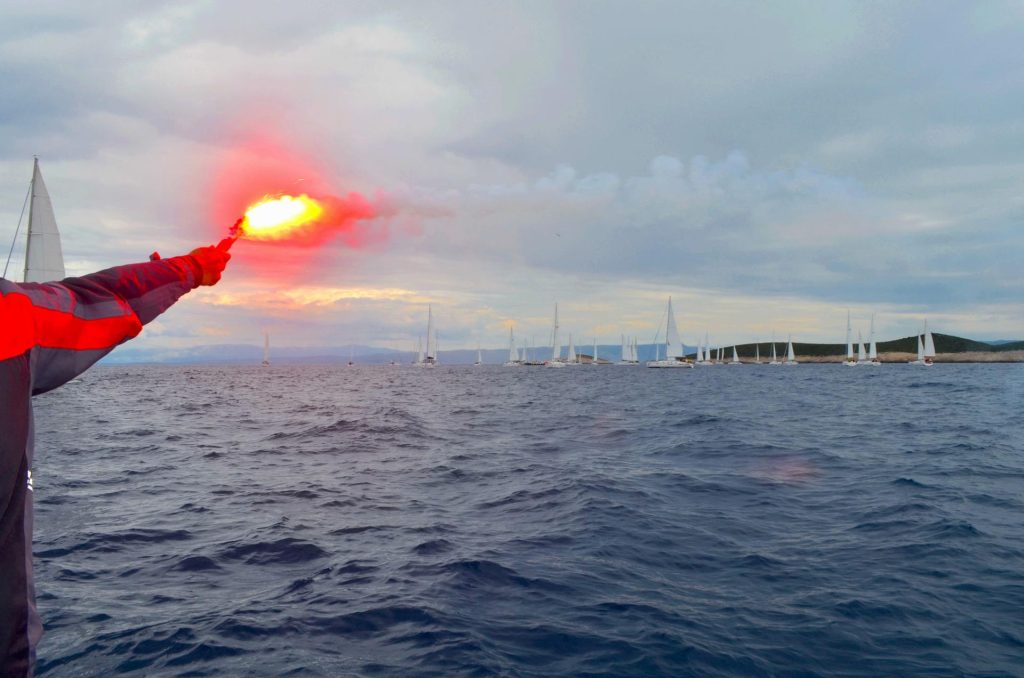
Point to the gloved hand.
(211, 260)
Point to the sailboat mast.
(555, 348)
(873, 350)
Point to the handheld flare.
(274, 218)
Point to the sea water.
(598, 520)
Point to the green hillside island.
(944, 344)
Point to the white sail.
(673, 346)
(479, 356)
(735, 357)
(774, 358)
(790, 356)
(625, 349)
(44, 260)
(920, 349)
(861, 353)
(431, 336)
(512, 355)
(873, 350)
(929, 342)
(849, 338)
(571, 357)
(266, 348)
(556, 350)
(593, 359)
(757, 353)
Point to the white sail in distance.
(873, 350)
(431, 335)
(266, 348)
(861, 353)
(673, 345)
(556, 350)
(790, 355)
(512, 355)
(849, 338)
(44, 260)
(929, 342)
(571, 357)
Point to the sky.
(768, 165)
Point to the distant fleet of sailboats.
(44, 262)
(674, 352)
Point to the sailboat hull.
(668, 363)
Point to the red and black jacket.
(49, 334)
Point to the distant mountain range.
(373, 355)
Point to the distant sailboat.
(757, 354)
(735, 357)
(593, 359)
(351, 362)
(873, 350)
(703, 357)
(556, 348)
(266, 349)
(624, 360)
(571, 358)
(673, 344)
(479, 356)
(929, 346)
(44, 259)
(430, 359)
(862, 355)
(790, 355)
(849, 343)
(513, 359)
(774, 360)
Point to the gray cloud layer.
(838, 153)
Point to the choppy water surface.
(589, 521)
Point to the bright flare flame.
(275, 218)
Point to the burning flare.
(277, 218)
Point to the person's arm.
(77, 321)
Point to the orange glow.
(281, 217)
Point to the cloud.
(781, 157)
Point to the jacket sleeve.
(77, 321)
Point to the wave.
(286, 551)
